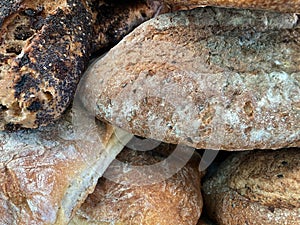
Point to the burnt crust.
(41, 71)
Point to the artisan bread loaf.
(175, 200)
(255, 187)
(45, 174)
(282, 5)
(209, 78)
(45, 47)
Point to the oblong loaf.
(209, 78)
(255, 187)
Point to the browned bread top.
(174, 200)
(209, 78)
(278, 5)
(260, 187)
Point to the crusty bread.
(114, 19)
(45, 47)
(278, 5)
(256, 187)
(176, 200)
(45, 174)
(209, 78)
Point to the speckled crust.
(257, 187)
(176, 200)
(45, 46)
(209, 78)
(45, 174)
(114, 19)
(274, 5)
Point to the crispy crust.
(259, 187)
(278, 5)
(176, 200)
(208, 78)
(45, 174)
(44, 50)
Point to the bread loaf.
(176, 200)
(282, 5)
(209, 78)
(46, 174)
(255, 187)
(45, 47)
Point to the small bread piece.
(256, 187)
(176, 200)
(278, 5)
(209, 78)
(46, 174)
(44, 49)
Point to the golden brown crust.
(274, 5)
(259, 187)
(46, 174)
(208, 78)
(176, 200)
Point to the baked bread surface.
(259, 187)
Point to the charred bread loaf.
(45, 47)
(176, 200)
(46, 173)
(255, 187)
(210, 78)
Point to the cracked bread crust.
(45, 47)
(278, 5)
(257, 187)
(174, 200)
(209, 78)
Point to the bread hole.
(143, 14)
(48, 96)
(14, 49)
(248, 109)
(280, 176)
(285, 163)
(3, 108)
(23, 33)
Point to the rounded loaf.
(255, 187)
(45, 174)
(176, 200)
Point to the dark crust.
(53, 61)
(114, 19)
(7, 7)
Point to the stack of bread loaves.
(205, 78)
